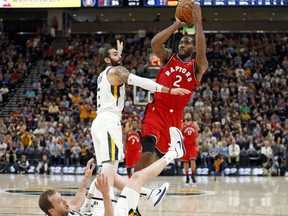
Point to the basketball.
(184, 12)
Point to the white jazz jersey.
(106, 129)
(109, 98)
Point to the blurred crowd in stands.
(242, 100)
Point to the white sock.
(128, 197)
(145, 192)
(170, 156)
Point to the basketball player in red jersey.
(183, 69)
(189, 130)
(133, 149)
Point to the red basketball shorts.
(191, 153)
(157, 121)
(132, 157)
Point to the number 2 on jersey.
(176, 83)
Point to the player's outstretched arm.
(123, 75)
(79, 198)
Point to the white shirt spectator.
(3, 147)
(267, 150)
(233, 149)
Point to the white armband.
(144, 83)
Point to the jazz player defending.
(106, 128)
(189, 131)
(183, 69)
(133, 149)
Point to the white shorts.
(107, 138)
(97, 206)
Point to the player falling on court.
(189, 130)
(183, 69)
(133, 149)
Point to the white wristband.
(144, 83)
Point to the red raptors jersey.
(190, 134)
(133, 142)
(176, 74)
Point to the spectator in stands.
(223, 149)
(85, 154)
(29, 94)
(3, 164)
(30, 123)
(240, 140)
(278, 150)
(214, 152)
(75, 154)
(21, 127)
(22, 165)
(3, 129)
(3, 146)
(66, 152)
(84, 109)
(55, 153)
(36, 85)
(11, 156)
(53, 110)
(4, 92)
(266, 153)
(251, 147)
(257, 131)
(15, 78)
(43, 165)
(233, 153)
(26, 139)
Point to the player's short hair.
(44, 202)
(192, 38)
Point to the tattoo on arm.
(122, 73)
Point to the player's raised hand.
(90, 166)
(119, 47)
(179, 91)
(101, 183)
(196, 10)
(180, 23)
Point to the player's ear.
(107, 60)
(51, 211)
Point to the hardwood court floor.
(235, 196)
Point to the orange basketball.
(184, 12)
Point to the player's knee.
(136, 177)
(148, 144)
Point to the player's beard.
(185, 55)
(188, 119)
(116, 63)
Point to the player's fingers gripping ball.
(184, 12)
